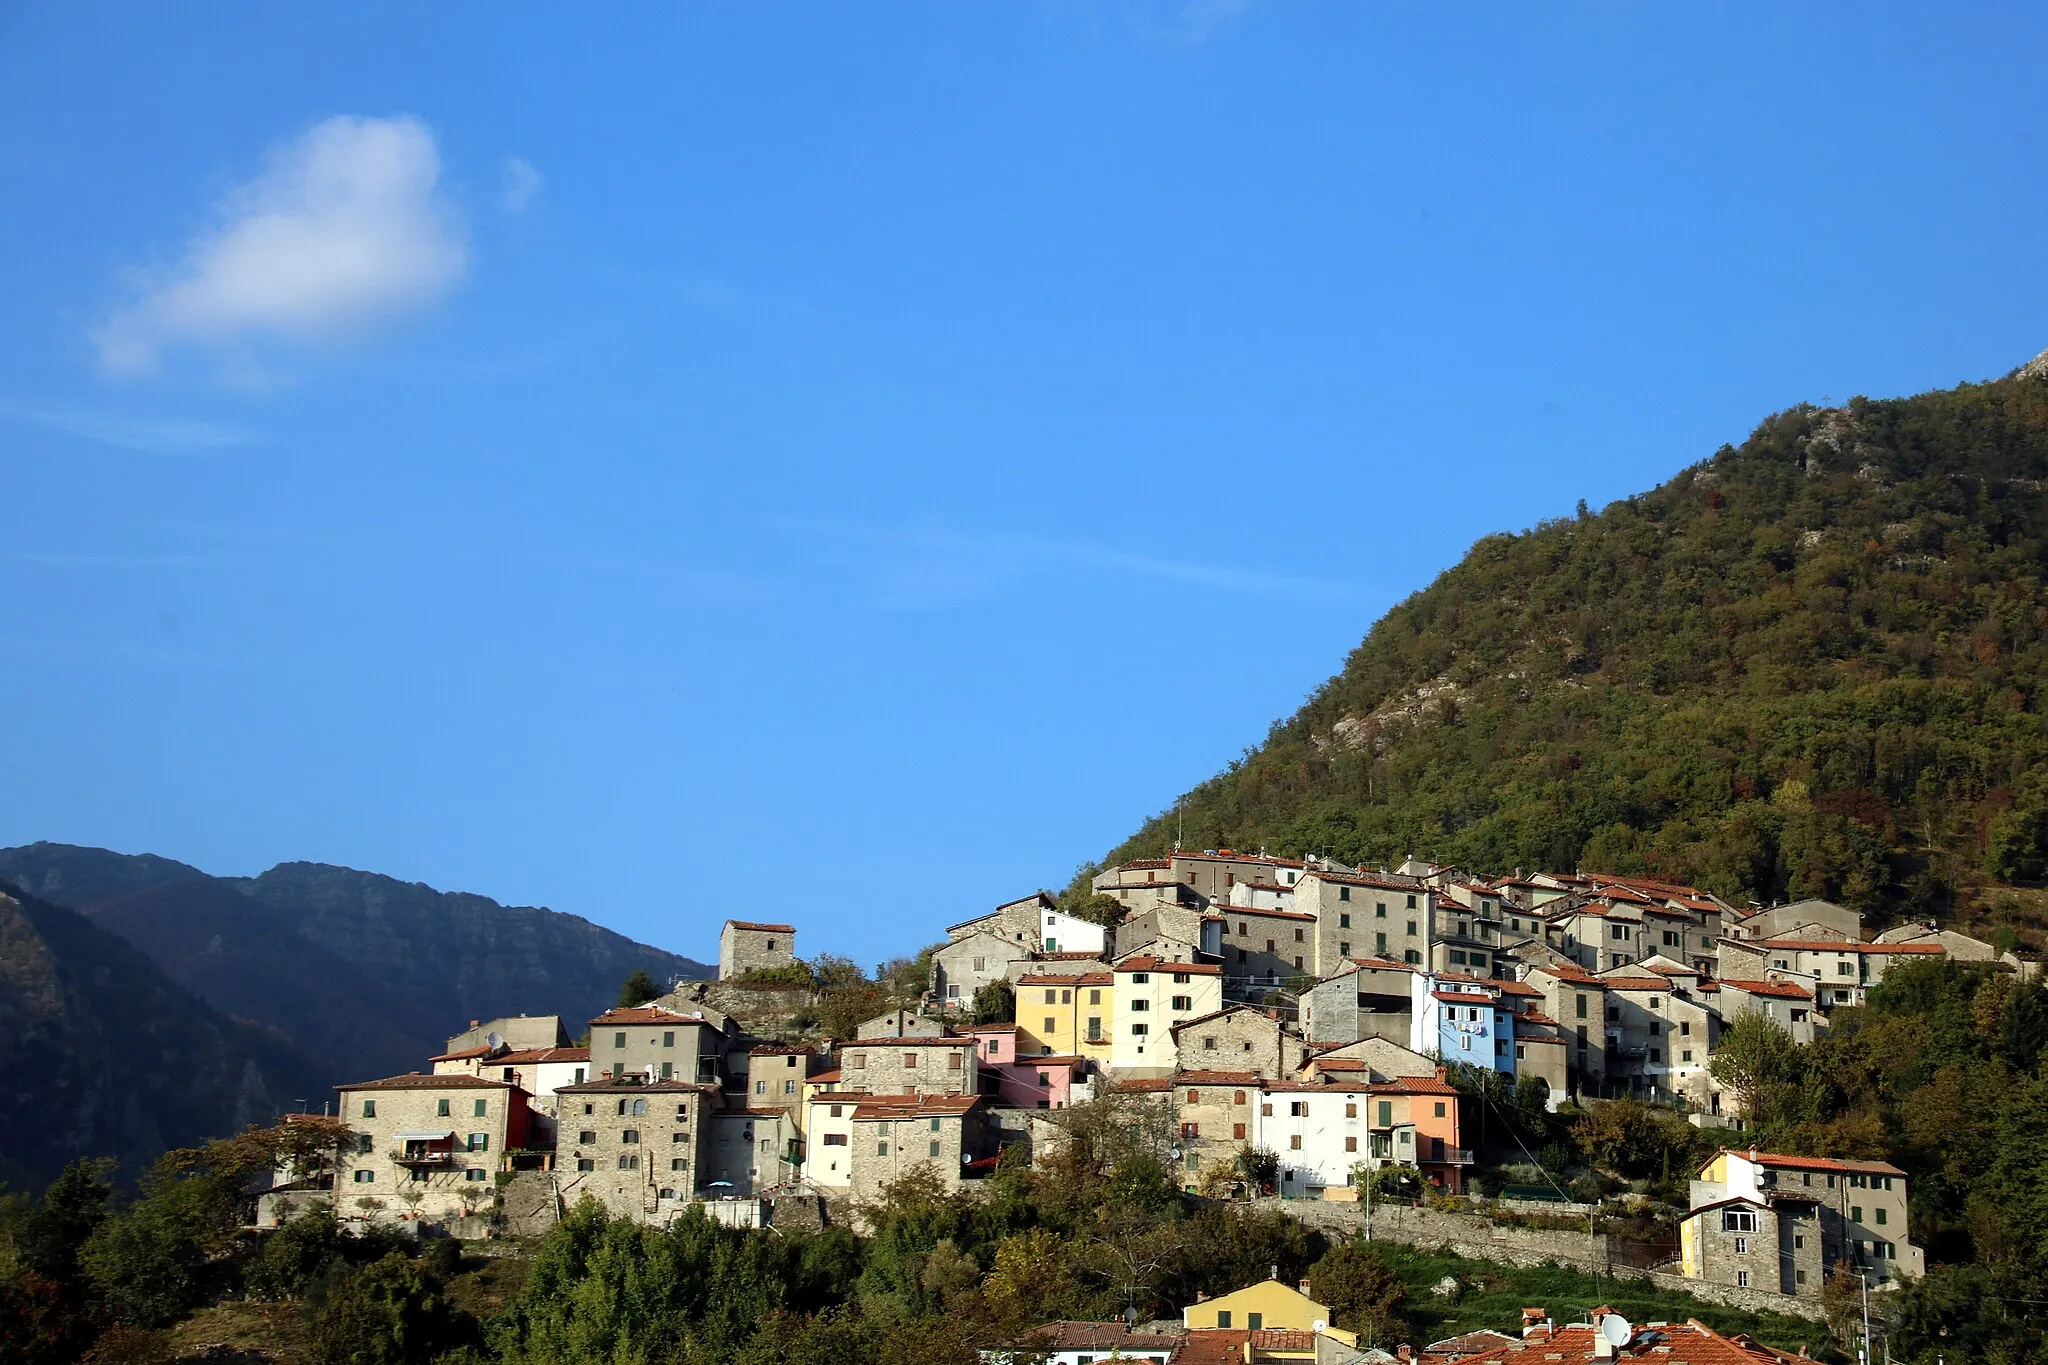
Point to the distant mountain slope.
(106, 1056)
(1812, 665)
(370, 975)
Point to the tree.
(1635, 1139)
(53, 1230)
(995, 1002)
(1362, 1290)
(391, 1312)
(1760, 1065)
(638, 989)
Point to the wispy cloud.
(157, 435)
(346, 228)
(930, 567)
(521, 183)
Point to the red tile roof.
(606, 1086)
(1690, 1343)
(645, 1014)
(1095, 1336)
(913, 1040)
(413, 1080)
(534, 1056)
(1201, 1078)
(1783, 990)
(1153, 964)
(1261, 912)
(1463, 997)
(878, 1107)
(1779, 1160)
(463, 1055)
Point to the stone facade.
(1263, 948)
(969, 962)
(1750, 1245)
(749, 1150)
(658, 1044)
(910, 1066)
(426, 1147)
(1239, 1039)
(1379, 917)
(636, 1149)
(745, 946)
(893, 1135)
(1215, 1116)
(1369, 999)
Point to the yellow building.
(1065, 1014)
(1268, 1305)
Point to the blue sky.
(608, 460)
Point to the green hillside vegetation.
(1809, 666)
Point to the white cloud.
(522, 182)
(159, 435)
(345, 229)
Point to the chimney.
(473, 1023)
(1535, 1320)
(1273, 1273)
(1306, 1293)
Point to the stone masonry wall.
(1481, 1239)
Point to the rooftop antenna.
(1180, 825)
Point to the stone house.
(1150, 997)
(1657, 1038)
(911, 1066)
(1379, 1059)
(1784, 921)
(1262, 948)
(1788, 1005)
(1838, 971)
(745, 946)
(900, 1023)
(657, 1044)
(749, 1150)
(427, 1146)
(1577, 1000)
(1181, 926)
(1862, 1207)
(1215, 1110)
(893, 1135)
(1751, 1244)
(1368, 998)
(1016, 922)
(636, 1148)
(776, 1073)
(520, 1032)
(1239, 1039)
(540, 1072)
(1366, 915)
(967, 963)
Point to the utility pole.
(1864, 1354)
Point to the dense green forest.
(1941, 1072)
(1809, 666)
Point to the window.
(365, 1177)
(1411, 902)
(1266, 1111)
(586, 1136)
(1254, 1321)
(479, 1142)
(1191, 1130)
(1223, 1317)
(1386, 1113)
(1844, 969)
(1237, 1131)
(1855, 1213)
(1685, 1028)
(1411, 928)
(1095, 997)
(1742, 1279)
(1343, 893)
(1351, 1111)
(760, 1087)
(369, 1109)
(1344, 921)
(858, 1061)
(476, 1173)
(1379, 943)
(441, 1108)
(618, 1040)
(1379, 911)
(1439, 1108)
(678, 1137)
(1182, 1002)
(1344, 948)
(1139, 1006)
(1297, 936)
(630, 1162)
(1686, 1055)
(585, 1164)
(1742, 1246)
(1094, 1028)
(1738, 1220)
(1145, 978)
(1298, 1108)
(668, 1071)
(835, 1139)
(1051, 997)
(668, 1039)
(1050, 1024)
(1412, 958)
(365, 1144)
(1351, 1144)
(1656, 1054)
(1294, 1143)
(881, 1149)
(1880, 1217)
(1140, 1030)
(629, 1136)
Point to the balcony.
(422, 1156)
(1448, 1156)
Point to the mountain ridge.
(1808, 665)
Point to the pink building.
(1027, 1082)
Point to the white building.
(1151, 996)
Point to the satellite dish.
(493, 1040)
(1616, 1331)
(1319, 1326)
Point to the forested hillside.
(1808, 666)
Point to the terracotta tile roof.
(1783, 990)
(1153, 964)
(1821, 945)
(1424, 1085)
(781, 1049)
(1671, 969)
(645, 1014)
(1690, 1343)
(873, 1108)
(1571, 972)
(534, 1056)
(1200, 1078)
(413, 1080)
(1214, 1346)
(1382, 964)
(1095, 1336)
(607, 1087)
(1262, 912)
(1224, 855)
(1142, 863)
(913, 1040)
(1282, 1339)
(1145, 1085)
(826, 1077)
(1065, 957)
(1779, 1160)
(1381, 883)
(763, 928)
(1463, 998)
(1341, 1064)
(978, 1029)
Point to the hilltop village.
(1294, 1027)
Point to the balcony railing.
(1448, 1156)
(422, 1157)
